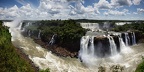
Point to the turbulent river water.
(43, 58)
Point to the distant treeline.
(135, 26)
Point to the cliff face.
(64, 50)
(101, 46)
(101, 43)
(64, 37)
(139, 37)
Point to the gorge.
(95, 48)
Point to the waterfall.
(52, 41)
(19, 27)
(39, 34)
(92, 45)
(122, 44)
(132, 36)
(134, 39)
(28, 24)
(91, 26)
(113, 47)
(87, 50)
(124, 48)
(15, 26)
(84, 46)
(126, 39)
(29, 33)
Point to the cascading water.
(90, 50)
(124, 49)
(126, 39)
(91, 26)
(52, 41)
(84, 45)
(129, 38)
(134, 39)
(92, 46)
(39, 34)
(113, 47)
(29, 33)
(45, 59)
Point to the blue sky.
(74, 9)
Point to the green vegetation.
(67, 30)
(10, 61)
(140, 67)
(133, 26)
(46, 70)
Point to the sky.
(72, 9)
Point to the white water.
(113, 46)
(29, 33)
(39, 34)
(52, 40)
(45, 59)
(91, 26)
(124, 49)
(134, 39)
(92, 50)
(126, 39)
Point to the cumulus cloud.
(53, 6)
(116, 12)
(64, 9)
(46, 9)
(136, 2)
(103, 4)
(9, 12)
(140, 10)
(120, 3)
(80, 11)
(79, 8)
(135, 13)
(49, 9)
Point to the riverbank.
(12, 59)
(26, 58)
(59, 51)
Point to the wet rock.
(139, 37)
(101, 69)
(116, 68)
(102, 46)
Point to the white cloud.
(135, 13)
(136, 2)
(103, 4)
(120, 3)
(116, 13)
(80, 10)
(64, 9)
(50, 9)
(53, 6)
(9, 12)
(140, 10)
(106, 13)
